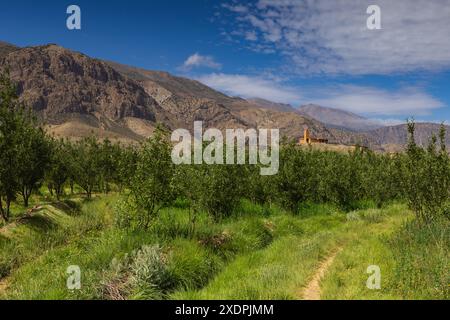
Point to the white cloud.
(197, 60)
(332, 36)
(373, 101)
(251, 36)
(235, 8)
(251, 87)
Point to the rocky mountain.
(265, 104)
(394, 138)
(6, 48)
(76, 95)
(338, 118)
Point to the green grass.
(283, 269)
(413, 260)
(422, 269)
(258, 253)
(56, 224)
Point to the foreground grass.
(54, 225)
(282, 270)
(260, 253)
(414, 264)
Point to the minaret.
(306, 136)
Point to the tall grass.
(422, 268)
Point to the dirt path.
(312, 290)
(3, 285)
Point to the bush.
(143, 274)
(149, 271)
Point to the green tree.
(21, 164)
(427, 177)
(152, 185)
(87, 164)
(61, 166)
(34, 159)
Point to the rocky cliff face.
(55, 82)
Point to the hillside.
(338, 118)
(393, 138)
(265, 104)
(6, 48)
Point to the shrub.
(149, 272)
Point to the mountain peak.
(6, 48)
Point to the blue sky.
(291, 51)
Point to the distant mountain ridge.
(393, 138)
(339, 118)
(262, 103)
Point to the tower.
(306, 137)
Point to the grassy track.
(282, 270)
(261, 253)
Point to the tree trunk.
(58, 191)
(2, 211)
(26, 196)
(8, 206)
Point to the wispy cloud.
(325, 36)
(235, 7)
(196, 60)
(252, 87)
(406, 102)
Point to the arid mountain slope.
(393, 138)
(6, 48)
(338, 118)
(189, 100)
(265, 104)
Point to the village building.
(308, 139)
